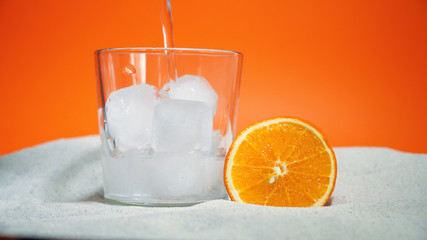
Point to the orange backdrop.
(356, 69)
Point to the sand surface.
(55, 190)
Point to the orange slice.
(280, 162)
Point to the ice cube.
(195, 88)
(221, 144)
(227, 140)
(129, 113)
(213, 175)
(181, 126)
(175, 174)
(125, 174)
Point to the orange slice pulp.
(280, 162)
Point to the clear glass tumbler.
(166, 118)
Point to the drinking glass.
(166, 119)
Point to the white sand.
(55, 190)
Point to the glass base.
(152, 202)
(163, 179)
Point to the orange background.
(356, 69)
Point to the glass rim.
(165, 50)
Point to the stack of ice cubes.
(174, 133)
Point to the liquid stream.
(168, 39)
